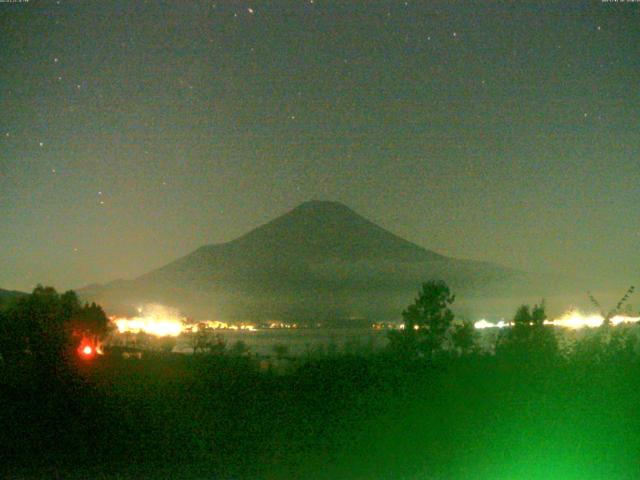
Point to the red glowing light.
(86, 349)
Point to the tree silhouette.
(217, 345)
(48, 325)
(37, 324)
(463, 337)
(201, 338)
(529, 339)
(426, 322)
(617, 310)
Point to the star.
(41, 144)
(55, 60)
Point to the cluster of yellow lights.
(161, 321)
(572, 319)
(216, 325)
(154, 320)
(482, 324)
(282, 325)
(164, 322)
(150, 325)
(403, 327)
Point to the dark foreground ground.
(346, 417)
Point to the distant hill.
(7, 295)
(320, 260)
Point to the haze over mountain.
(319, 261)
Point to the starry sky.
(132, 133)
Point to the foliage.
(464, 337)
(373, 416)
(616, 310)
(205, 341)
(217, 345)
(200, 338)
(426, 322)
(166, 344)
(239, 348)
(280, 350)
(48, 325)
(530, 340)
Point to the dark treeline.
(434, 404)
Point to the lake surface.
(302, 341)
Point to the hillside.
(7, 295)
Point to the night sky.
(132, 133)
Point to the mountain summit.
(322, 230)
(320, 260)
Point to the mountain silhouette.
(319, 261)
